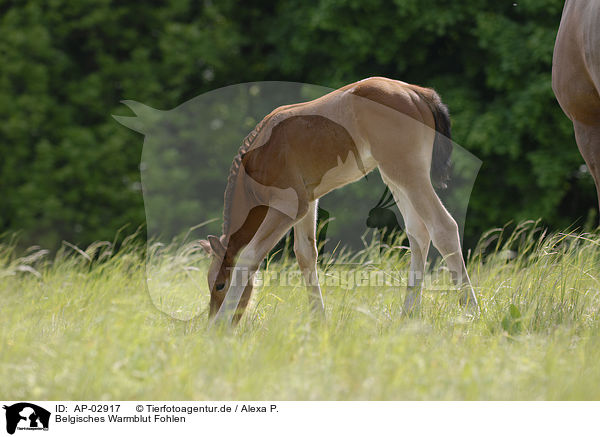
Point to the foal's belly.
(342, 174)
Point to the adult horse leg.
(305, 248)
(419, 240)
(442, 228)
(271, 230)
(588, 142)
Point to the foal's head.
(219, 276)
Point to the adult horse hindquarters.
(299, 153)
(576, 77)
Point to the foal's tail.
(442, 145)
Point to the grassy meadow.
(84, 324)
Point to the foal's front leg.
(305, 248)
(271, 230)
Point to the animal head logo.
(26, 416)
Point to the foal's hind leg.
(305, 248)
(419, 240)
(443, 231)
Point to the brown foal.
(298, 153)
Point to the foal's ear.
(206, 246)
(216, 245)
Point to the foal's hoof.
(470, 306)
(317, 313)
(411, 311)
(409, 314)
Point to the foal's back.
(338, 138)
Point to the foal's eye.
(220, 287)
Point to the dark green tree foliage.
(69, 171)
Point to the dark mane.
(234, 170)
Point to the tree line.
(69, 171)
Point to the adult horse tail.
(442, 144)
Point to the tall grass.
(86, 324)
